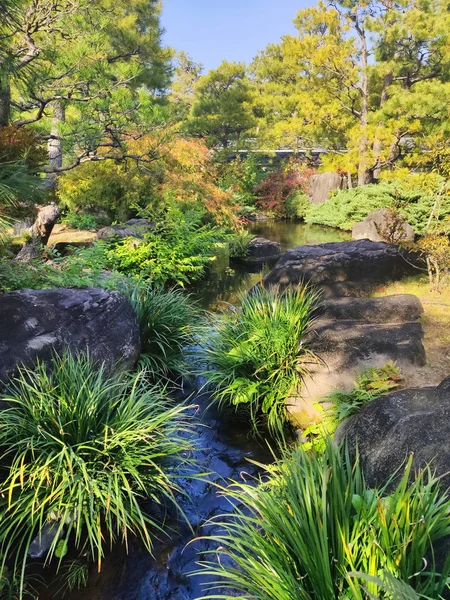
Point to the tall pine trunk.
(55, 150)
(387, 82)
(364, 173)
(5, 99)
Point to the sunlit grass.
(256, 353)
(80, 454)
(303, 533)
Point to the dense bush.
(106, 187)
(306, 531)
(296, 205)
(80, 453)
(180, 172)
(348, 207)
(256, 354)
(279, 185)
(177, 251)
(240, 177)
(168, 321)
(81, 221)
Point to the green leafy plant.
(239, 242)
(306, 530)
(80, 453)
(81, 220)
(257, 356)
(296, 205)
(168, 321)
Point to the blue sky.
(234, 30)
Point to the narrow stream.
(223, 449)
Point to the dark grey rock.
(34, 323)
(375, 228)
(351, 334)
(136, 228)
(322, 184)
(341, 268)
(261, 249)
(391, 427)
(399, 308)
(343, 344)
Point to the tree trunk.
(39, 232)
(5, 100)
(387, 82)
(364, 174)
(55, 150)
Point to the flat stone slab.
(340, 268)
(398, 308)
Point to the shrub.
(277, 186)
(308, 530)
(81, 221)
(239, 242)
(348, 207)
(108, 186)
(257, 357)
(240, 177)
(296, 205)
(167, 320)
(175, 253)
(80, 453)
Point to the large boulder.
(35, 323)
(407, 422)
(341, 268)
(351, 334)
(261, 249)
(136, 228)
(381, 226)
(322, 184)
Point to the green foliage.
(308, 530)
(348, 207)
(296, 205)
(106, 186)
(238, 245)
(81, 221)
(17, 185)
(241, 176)
(80, 453)
(176, 252)
(74, 575)
(257, 357)
(167, 320)
(221, 111)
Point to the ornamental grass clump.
(81, 452)
(257, 356)
(168, 321)
(314, 530)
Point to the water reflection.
(228, 280)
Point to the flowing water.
(223, 450)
